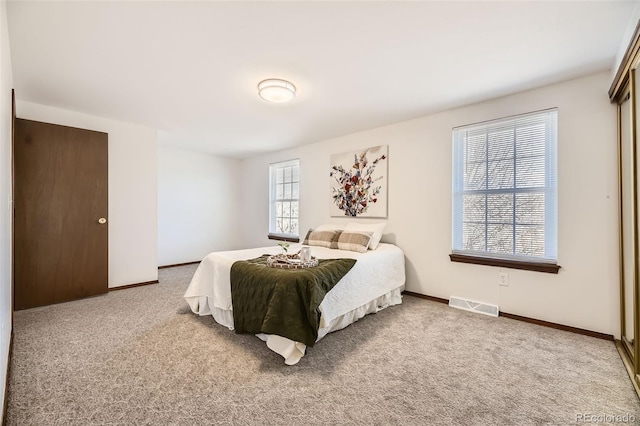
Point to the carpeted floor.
(140, 357)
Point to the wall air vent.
(472, 306)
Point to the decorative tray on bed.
(290, 261)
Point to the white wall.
(626, 39)
(585, 292)
(132, 190)
(6, 84)
(198, 205)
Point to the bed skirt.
(292, 351)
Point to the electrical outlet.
(503, 279)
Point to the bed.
(375, 282)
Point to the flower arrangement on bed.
(291, 309)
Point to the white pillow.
(374, 228)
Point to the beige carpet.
(140, 357)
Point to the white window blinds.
(505, 188)
(284, 198)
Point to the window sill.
(283, 238)
(550, 268)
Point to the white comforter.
(374, 282)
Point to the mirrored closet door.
(625, 92)
(628, 217)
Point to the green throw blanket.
(282, 301)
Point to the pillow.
(334, 243)
(374, 228)
(306, 238)
(327, 239)
(354, 241)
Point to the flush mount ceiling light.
(276, 90)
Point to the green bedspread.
(282, 301)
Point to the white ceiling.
(190, 69)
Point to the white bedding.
(374, 282)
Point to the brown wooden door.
(61, 248)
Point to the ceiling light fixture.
(276, 91)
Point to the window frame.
(548, 262)
(273, 168)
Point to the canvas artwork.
(358, 182)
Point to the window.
(284, 197)
(505, 189)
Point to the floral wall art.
(358, 182)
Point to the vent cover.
(472, 306)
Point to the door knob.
(102, 221)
